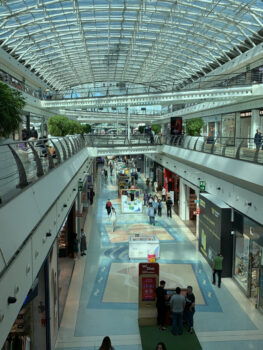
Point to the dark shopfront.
(248, 257)
(172, 186)
(215, 231)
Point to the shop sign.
(197, 211)
(202, 185)
(80, 186)
(148, 269)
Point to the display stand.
(123, 182)
(131, 202)
(141, 246)
(148, 281)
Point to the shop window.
(242, 261)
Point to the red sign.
(148, 288)
(198, 210)
(148, 269)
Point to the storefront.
(215, 231)
(188, 196)
(248, 258)
(36, 326)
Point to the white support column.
(128, 122)
(184, 201)
(255, 122)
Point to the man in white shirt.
(163, 194)
(177, 304)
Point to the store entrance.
(191, 223)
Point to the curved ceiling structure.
(152, 42)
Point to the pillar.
(28, 123)
(184, 201)
(237, 129)
(128, 122)
(255, 122)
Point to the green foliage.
(62, 126)
(156, 128)
(194, 126)
(11, 106)
(58, 125)
(86, 128)
(142, 128)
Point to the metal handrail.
(24, 162)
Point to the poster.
(176, 126)
(148, 288)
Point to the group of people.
(155, 206)
(181, 306)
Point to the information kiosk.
(148, 282)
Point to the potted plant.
(194, 126)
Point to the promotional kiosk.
(148, 282)
(131, 201)
(141, 246)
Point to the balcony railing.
(24, 162)
(231, 147)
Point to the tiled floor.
(102, 299)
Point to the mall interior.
(171, 91)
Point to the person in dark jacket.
(258, 139)
(33, 133)
(169, 204)
(161, 296)
(91, 196)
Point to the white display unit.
(140, 246)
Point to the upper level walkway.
(157, 98)
(23, 163)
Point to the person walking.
(151, 214)
(145, 199)
(161, 296)
(113, 217)
(147, 183)
(189, 308)
(150, 200)
(91, 196)
(83, 242)
(169, 204)
(155, 205)
(160, 207)
(217, 268)
(163, 194)
(111, 168)
(75, 246)
(108, 207)
(177, 306)
(106, 344)
(258, 139)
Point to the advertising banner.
(176, 126)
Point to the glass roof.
(152, 42)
